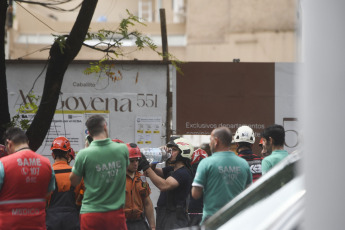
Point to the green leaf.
(111, 43)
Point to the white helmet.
(184, 145)
(244, 134)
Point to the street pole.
(166, 59)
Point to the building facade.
(198, 30)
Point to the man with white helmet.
(174, 182)
(244, 139)
(222, 176)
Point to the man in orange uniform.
(138, 192)
(71, 156)
(62, 210)
(25, 179)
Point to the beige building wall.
(198, 30)
(249, 30)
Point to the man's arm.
(75, 179)
(149, 212)
(51, 185)
(163, 185)
(159, 172)
(197, 192)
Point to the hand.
(143, 163)
(153, 165)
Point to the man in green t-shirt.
(222, 176)
(273, 141)
(103, 166)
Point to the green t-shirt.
(103, 166)
(222, 176)
(273, 159)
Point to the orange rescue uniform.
(136, 190)
(63, 182)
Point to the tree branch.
(57, 67)
(5, 117)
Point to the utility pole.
(166, 59)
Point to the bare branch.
(53, 5)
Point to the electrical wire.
(36, 17)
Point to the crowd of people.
(107, 187)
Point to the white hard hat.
(184, 145)
(244, 134)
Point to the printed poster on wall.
(69, 124)
(148, 131)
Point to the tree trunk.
(57, 66)
(4, 111)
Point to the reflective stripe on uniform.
(21, 201)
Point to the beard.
(132, 170)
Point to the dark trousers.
(137, 225)
(58, 218)
(171, 219)
(194, 219)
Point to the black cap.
(172, 143)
